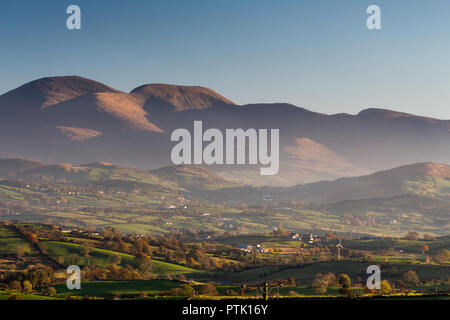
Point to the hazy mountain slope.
(422, 179)
(101, 111)
(84, 174)
(192, 176)
(175, 178)
(13, 167)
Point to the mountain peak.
(391, 114)
(179, 98)
(48, 91)
(384, 113)
(437, 170)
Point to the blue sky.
(317, 54)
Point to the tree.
(15, 285)
(344, 279)
(208, 290)
(60, 260)
(443, 256)
(27, 286)
(385, 287)
(19, 253)
(115, 259)
(410, 277)
(43, 247)
(320, 286)
(72, 259)
(51, 291)
(424, 248)
(323, 281)
(85, 251)
(427, 237)
(182, 291)
(291, 282)
(141, 259)
(280, 232)
(412, 235)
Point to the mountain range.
(76, 120)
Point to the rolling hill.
(188, 179)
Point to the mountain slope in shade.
(13, 167)
(101, 111)
(168, 97)
(422, 179)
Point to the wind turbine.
(339, 246)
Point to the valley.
(175, 199)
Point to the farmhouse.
(252, 248)
(295, 236)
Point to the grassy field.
(305, 274)
(17, 253)
(6, 295)
(102, 258)
(98, 257)
(10, 241)
(408, 246)
(283, 291)
(111, 288)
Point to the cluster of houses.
(312, 239)
(252, 248)
(308, 238)
(75, 231)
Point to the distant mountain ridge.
(175, 178)
(77, 120)
(421, 179)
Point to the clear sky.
(317, 54)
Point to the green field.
(111, 288)
(102, 258)
(6, 295)
(304, 274)
(408, 246)
(10, 241)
